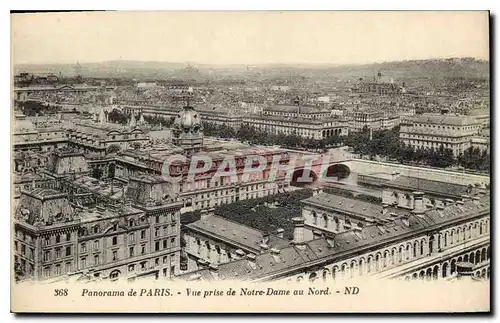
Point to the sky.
(308, 37)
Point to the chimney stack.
(251, 259)
(298, 231)
(465, 198)
(385, 209)
(448, 202)
(418, 203)
(214, 269)
(204, 214)
(264, 247)
(317, 234)
(275, 251)
(280, 232)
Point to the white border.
(179, 5)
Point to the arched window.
(343, 270)
(407, 251)
(415, 248)
(315, 217)
(114, 274)
(369, 264)
(422, 243)
(401, 250)
(481, 228)
(361, 263)
(325, 220)
(337, 223)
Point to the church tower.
(187, 130)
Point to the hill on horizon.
(448, 67)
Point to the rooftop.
(430, 186)
(238, 234)
(339, 247)
(363, 210)
(448, 120)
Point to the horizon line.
(255, 64)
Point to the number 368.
(61, 292)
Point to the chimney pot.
(298, 230)
(275, 251)
(418, 206)
(317, 234)
(448, 202)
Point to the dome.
(188, 119)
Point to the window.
(96, 244)
(165, 259)
(131, 267)
(46, 272)
(83, 261)
(172, 241)
(131, 251)
(47, 241)
(157, 232)
(68, 251)
(115, 241)
(96, 260)
(143, 265)
(115, 255)
(164, 244)
(68, 267)
(58, 253)
(46, 256)
(157, 219)
(23, 249)
(131, 238)
(130, 223)
(83, 247)
(58, 238)
(157, 245)
(157, 261)
(143, 249)
(143, 234)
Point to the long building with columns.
(424, 242)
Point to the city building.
(305, 127)
(432, 131)
(360, 119)
(422, 243)
(213, 240)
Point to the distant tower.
(296, 102)
(77, 69)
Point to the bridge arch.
(337, 171)
(302, 177)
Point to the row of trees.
(252, 135)
(257, 214)
(382, 143)
(34, 108)
(386, 143)
(116, 116)
(157, 121)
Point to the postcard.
(250, 162)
